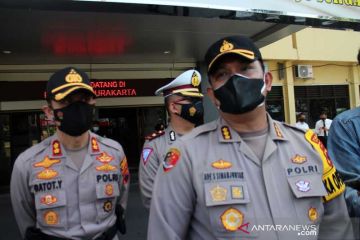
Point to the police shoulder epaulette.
(331, 179)
(108, 142)
(293, 127)
(208, 127)
(154, 135)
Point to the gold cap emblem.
(226, 46)
(218, 194)
(195, 80)
(73, 77)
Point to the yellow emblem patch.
(73, 77)
(232, 219)
(226, 46)
(278, 131)
(237, 192)
(109, 189)
(221, 164)
(47, 162)
(104, 158)
(333, 183)
(94, 145)
(218, 194)
(313, 214)
(56, 148)
(108, 205)
(106, 168)
(195, 80)
(51, 218)
(298, 159)
(226, 133)
(48, 199)
(47, 174)
(192, 111)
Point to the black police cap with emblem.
(238, 45)
(66, 81)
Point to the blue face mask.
(240, 94)
(193, 112)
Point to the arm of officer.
(21, 197)
(344, 150)
(149, 164)
(317, 128)
(173, 197)
(125, 181)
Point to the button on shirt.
(211, 186)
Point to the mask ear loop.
(262, 91)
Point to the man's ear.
(49, 113)
(268, 81)
(173, 108)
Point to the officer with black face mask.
(184, 106)
(74, 184)
(229, 178)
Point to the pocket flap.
(307, 186)
(224, 193)
(107, 190)
(50, 199)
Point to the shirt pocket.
(230, 209)
(106, 194)
(51, 209)
(308, 193)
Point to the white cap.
(185, 84)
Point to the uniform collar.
(227, 134)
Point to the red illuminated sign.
(113, 88)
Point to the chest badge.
(221, 164)
(171, 158)
(108, 205)
(47, 173)
(48, 199)
(303, 186)
(218, 194)
(104, 158)
(298, 159)
(237, 192)
(47, 162)
(51, 218)
(232, 220)
(109, 189)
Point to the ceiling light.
(167, 52)
(6, 52)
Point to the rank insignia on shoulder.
(278, 131)
(221, 164)
(154, 135)
(218, 194)
(313, 214)
(298, 159)
(51, 217)
(124, 170)
(94, 145)
(48, 199)
(225, 131)
(146, 154)
(56, 148)
(171, 158)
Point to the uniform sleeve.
(124, 185)
(343, 147)
(21, 198)
(173, 199)
(336, 223)
(149, 164)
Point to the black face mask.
(240, 94)
(193, 112)
(75, 119)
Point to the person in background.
(344, 149)
(322, 127)
(301, 122)
(229, 178)
(183, 102)
(74, 184)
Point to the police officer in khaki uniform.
(70, 185)
(246, 176)
(184, 105)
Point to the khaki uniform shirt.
(153, 154)
(212, 186)
(49, 192)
